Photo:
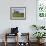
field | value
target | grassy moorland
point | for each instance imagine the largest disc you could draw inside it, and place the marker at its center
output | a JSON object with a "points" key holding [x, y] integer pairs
{"points": [[18, 14]]}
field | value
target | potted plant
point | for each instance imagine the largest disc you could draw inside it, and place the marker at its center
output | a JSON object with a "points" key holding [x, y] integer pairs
{"points": [[38, 27], [39, 35], [42, 27], [35, 27]]}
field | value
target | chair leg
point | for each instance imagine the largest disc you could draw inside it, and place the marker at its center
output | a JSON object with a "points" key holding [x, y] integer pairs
{"points": [[5, 43], [5, 39]]}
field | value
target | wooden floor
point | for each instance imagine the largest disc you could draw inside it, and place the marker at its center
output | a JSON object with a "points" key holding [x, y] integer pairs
{"points": [[13, 44]]}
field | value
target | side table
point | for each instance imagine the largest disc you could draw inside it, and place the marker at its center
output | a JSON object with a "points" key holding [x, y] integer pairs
{"points": [[8, 34]]}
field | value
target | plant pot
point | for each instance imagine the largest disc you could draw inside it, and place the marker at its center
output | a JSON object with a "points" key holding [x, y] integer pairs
{"points": [[38, 40]]}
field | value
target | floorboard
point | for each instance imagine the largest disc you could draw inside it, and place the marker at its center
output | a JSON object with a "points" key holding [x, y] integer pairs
{"points": [[13, 44]]}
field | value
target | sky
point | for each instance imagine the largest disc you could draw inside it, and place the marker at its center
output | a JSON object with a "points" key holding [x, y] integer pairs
{"points": [[21, 10]]}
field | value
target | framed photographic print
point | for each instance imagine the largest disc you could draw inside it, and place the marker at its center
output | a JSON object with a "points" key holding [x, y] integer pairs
{"points": [[18, 13], [41, 8], [41, 12]]}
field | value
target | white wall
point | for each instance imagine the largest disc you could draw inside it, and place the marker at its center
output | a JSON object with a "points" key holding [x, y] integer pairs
{"points": [[24, 25]]}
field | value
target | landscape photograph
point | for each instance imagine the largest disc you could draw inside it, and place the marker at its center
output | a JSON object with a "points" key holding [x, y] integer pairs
{"points": [[18, 13]]}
